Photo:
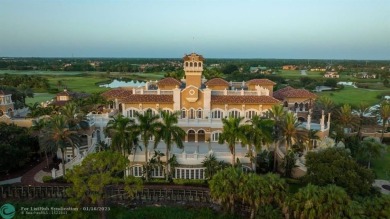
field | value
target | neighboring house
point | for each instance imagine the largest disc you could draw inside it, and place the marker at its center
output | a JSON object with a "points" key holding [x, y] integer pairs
{"points": [[6, 104], [364, 75], [331, 74], [258, 69], [290, 67], [65, 96], [318, 69]]}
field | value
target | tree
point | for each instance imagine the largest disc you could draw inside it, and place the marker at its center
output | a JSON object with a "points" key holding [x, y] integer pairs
{"points": [[288, 163], [229, 69], [170, 133], [39, 127], [345, 117], [362, 109], [320, 202], [59, 136], [277, 113], [148, 126], [212, 73], [312, 136], [261, 191], [290, 131], [232, 131], [212, 165], [370, 148], [376, 207], [335, 166], [258, 133], [97, 172], [224, 187], [123, 134], [384, 113]]}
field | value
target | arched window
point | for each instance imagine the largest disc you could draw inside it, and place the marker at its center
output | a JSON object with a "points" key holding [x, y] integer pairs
{"points": [[201, 136], [234, 114], [295, 105], [186, 64], [152, 112], [200, 64], [285, 104], [217, 114], [191, 114], [199, 113], [131, 113], [136, 171], [183, 113], [215, 136], [300, 106], [169, 112], [191, 136], [195, 64], [250, 114], [190, 64]]}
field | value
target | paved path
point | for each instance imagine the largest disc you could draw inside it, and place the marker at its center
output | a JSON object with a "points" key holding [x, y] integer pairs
{"points": [[11, 181]]}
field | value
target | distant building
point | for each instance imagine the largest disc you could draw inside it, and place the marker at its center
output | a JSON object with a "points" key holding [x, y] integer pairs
{"points": [[364, 75], [331, 74], [258, 69], [6, 104], [65, 96], [290, 67], [318, 69]]}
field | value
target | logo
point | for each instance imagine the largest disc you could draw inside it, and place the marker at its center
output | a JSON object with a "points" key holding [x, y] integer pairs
{"points": [[7, 211]]}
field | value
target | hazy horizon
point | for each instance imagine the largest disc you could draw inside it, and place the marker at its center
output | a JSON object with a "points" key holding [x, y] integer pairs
{"points": [[282, 29]]}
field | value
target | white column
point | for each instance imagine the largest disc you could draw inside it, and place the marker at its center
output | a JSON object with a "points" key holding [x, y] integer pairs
{"points": [[176, 99], [322, 123]]}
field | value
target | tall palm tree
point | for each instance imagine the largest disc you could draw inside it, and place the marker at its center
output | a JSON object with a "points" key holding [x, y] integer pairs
{"points": [[170, 133], [362, 109], [232, 131], [384, 113], [291, 132], [39, 127], [370, 148], [277, 113], [59, 135], [72, 114], [121, 131], [345, 117], [148, 126], [258, 133]]}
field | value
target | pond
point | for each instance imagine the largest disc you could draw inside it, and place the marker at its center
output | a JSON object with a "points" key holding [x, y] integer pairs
{"points": [[118, 83]]}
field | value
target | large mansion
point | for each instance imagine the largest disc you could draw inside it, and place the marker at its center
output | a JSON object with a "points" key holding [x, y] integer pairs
{"points": [[202, 104]]}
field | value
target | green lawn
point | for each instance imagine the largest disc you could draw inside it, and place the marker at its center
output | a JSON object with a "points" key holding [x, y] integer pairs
{"points": [[354, 96], [85, 83], [381, 166], [39, 97]]}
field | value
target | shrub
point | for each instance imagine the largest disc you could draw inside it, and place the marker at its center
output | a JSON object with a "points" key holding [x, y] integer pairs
{"points": [[47, 179]]}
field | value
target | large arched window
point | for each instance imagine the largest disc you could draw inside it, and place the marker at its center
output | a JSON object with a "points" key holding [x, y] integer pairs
{"points": [[249, 114], [191, 114], [151, 111], [183, 113], [217, 114], [131, 113], [215, 136], [201, 136], [199, 113], [191, 136], [234, 114]]}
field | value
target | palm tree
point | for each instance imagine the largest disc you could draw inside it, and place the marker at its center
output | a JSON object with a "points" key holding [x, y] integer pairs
{"points": [[291, 132], [39, 126], [170, 133], [345, 117], [276, 113], [258, 133], [72, 114], [232, 131], [121, 131], [320, 202], [148, 126], [370, 148], [362, 109], [59, 135], [384, 113]]}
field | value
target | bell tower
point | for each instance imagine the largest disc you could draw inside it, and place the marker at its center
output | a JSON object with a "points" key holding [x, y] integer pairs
{"points": [[193, 68]]}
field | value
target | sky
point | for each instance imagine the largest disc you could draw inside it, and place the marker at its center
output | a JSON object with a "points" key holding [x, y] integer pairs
{"points": [[287, 29]]}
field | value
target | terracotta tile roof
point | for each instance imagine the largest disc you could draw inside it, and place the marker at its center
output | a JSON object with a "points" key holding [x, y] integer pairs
{"points": [[63, 93], [4, 92], [217, 81], [76, 95], [116, 93], [292, 92], [193, 55], [169, 81], [260, 81], [243, 99], [148, 98]]}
